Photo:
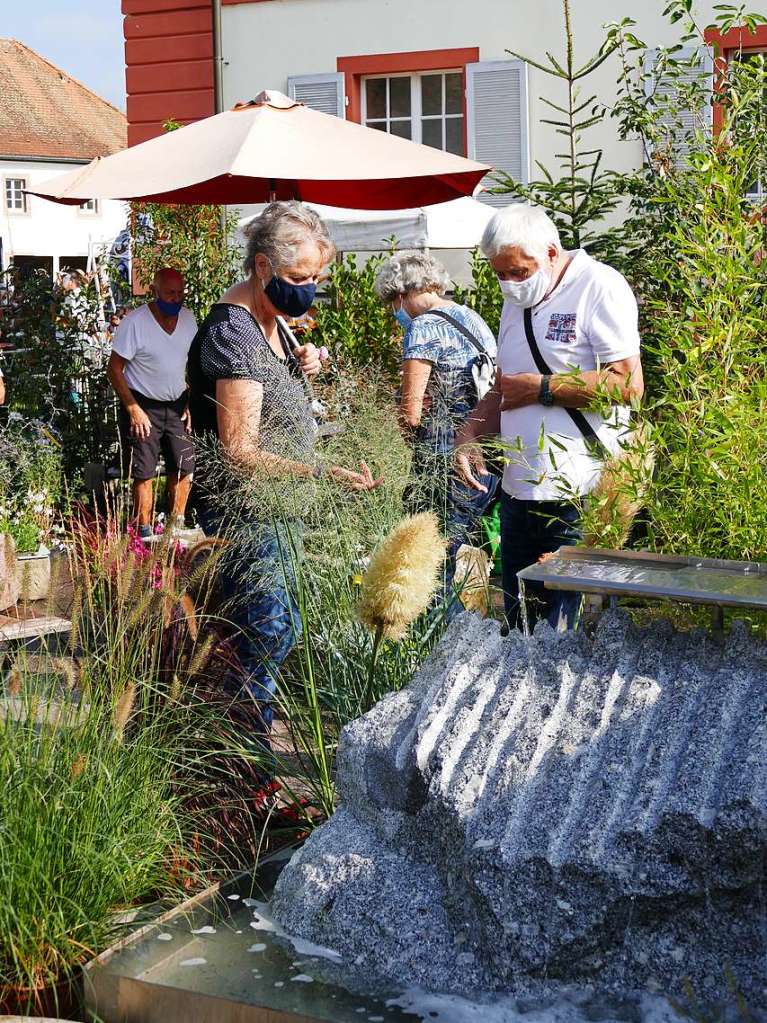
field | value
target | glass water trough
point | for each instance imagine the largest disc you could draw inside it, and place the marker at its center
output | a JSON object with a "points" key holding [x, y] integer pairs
{"points": [[711, 581], [218, 958]]}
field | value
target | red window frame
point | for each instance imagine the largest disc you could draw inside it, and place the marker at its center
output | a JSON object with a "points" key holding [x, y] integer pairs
{"points": [[725, 44], [354, 69]]}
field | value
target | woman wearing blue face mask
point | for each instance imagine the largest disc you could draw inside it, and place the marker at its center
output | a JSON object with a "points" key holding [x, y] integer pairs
{"points": [[250, 402], [448, 361]]}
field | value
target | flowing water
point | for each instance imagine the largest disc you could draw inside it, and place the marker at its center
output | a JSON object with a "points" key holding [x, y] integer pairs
{"points": [[230, 948]]}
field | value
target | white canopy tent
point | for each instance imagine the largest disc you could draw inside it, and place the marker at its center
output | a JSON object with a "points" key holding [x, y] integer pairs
{"points": [[457, 224]]}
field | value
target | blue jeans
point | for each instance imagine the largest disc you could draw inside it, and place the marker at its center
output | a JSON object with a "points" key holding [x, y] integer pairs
{"points": [[528, 530], [436, 487], [259, 586]]}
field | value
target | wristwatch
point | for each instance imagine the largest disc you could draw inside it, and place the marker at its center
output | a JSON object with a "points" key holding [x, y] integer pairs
{"points": [[545, 397]]}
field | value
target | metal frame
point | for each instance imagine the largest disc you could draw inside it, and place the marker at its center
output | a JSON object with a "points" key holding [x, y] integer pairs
{"points": [[541, 572]]}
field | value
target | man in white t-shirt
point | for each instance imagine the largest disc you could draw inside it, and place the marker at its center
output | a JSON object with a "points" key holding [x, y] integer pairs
{"points": [[147, 368], [569, 330]]}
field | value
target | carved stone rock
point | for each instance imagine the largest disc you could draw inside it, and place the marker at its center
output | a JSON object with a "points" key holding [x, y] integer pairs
{"points": [[552, 809]]}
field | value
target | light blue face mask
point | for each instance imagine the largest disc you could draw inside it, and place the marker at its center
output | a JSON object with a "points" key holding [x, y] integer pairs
{"points": [[403, 318]]}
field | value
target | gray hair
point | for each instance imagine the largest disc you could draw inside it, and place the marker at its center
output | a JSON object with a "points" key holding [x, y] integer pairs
{"points": [[523, 227], [410, 271], [279, 230]]}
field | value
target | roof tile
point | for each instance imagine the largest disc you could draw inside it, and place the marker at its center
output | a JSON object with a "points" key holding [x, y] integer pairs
{"points": [[46, 113]]}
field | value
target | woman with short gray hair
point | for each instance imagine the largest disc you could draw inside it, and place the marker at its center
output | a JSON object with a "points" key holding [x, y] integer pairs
{"points": [[248, 394], [448, 361]]}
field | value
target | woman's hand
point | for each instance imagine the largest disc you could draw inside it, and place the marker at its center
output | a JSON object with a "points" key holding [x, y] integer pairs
{"points": [[362, 480], [309, 358], [470, 464]]}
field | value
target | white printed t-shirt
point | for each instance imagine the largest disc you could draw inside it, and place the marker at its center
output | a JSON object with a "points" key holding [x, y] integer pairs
{"points": [[156, 360], [589, 320]]}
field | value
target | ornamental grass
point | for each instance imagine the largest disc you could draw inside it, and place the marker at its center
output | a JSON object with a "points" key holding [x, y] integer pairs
{"points": [[403, 575]]}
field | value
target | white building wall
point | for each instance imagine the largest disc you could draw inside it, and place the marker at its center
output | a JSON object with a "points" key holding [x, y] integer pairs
{"points": [[263, 43], [48, 228]]}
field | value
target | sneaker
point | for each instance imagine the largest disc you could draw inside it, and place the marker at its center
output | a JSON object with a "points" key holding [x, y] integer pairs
{"points": [[177, 524], [145, 532]]}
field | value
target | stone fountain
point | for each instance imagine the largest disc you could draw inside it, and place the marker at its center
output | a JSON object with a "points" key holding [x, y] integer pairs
{"points": [[552, 810]]}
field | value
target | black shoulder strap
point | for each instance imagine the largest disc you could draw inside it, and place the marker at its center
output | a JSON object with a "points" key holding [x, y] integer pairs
{"points": [[575, 414], [459, 327]]}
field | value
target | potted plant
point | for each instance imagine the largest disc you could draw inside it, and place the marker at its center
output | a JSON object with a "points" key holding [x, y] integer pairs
{"points": [[30, 486]]}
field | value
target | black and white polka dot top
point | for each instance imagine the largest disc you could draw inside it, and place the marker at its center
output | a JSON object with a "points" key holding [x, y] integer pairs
{"points": [[229, 345]]}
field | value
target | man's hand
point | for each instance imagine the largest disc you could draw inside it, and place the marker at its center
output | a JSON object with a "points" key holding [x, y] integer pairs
{"points": [[309, 359], [362, 480], [140, 426], [470, 464], [186, 419], [519, 390]]}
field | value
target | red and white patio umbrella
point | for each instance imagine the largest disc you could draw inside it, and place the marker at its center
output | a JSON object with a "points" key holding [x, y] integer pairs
{"points": [[273, 147]]}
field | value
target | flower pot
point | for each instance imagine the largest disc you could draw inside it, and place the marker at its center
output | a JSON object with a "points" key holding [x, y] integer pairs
{"points": [[35, 574], [53, 1002]]}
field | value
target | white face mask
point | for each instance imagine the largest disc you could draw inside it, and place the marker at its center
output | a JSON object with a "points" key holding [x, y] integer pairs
{"points": [[527, 293]]}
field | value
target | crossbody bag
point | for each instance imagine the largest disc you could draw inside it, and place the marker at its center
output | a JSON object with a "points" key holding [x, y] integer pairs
{"points": [[483, 367]]}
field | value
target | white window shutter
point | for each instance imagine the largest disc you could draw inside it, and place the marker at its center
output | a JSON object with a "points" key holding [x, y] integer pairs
{"points": [[497, 121], [684, 122], [320, 92]]}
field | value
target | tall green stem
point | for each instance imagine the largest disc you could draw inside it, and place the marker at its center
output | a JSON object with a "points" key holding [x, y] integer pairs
{"points": [[373, 662], [571, 119]]}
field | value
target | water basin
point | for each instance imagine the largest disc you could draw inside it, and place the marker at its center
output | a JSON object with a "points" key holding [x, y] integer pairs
{"points": [[639, 573], [220, 958]]}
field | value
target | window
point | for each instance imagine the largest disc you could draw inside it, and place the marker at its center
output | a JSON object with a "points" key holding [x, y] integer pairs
{"points": [[425, 107], [15, 197], [757, 189], [91, 206]]}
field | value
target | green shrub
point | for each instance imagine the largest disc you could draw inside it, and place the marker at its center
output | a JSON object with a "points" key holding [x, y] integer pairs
{"points": [[698, 266], [56, 370], [195, 240], [31, 483], [198, 241], [583, 197], [354, 324], [483, 294]]}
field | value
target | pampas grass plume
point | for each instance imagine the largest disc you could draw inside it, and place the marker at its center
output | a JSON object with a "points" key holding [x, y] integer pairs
{"points": [[402, 576], [620, 493], [124, 709]]}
